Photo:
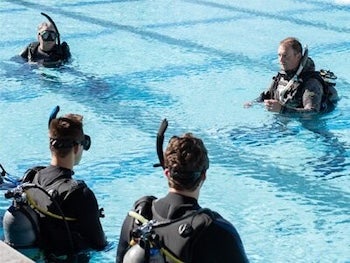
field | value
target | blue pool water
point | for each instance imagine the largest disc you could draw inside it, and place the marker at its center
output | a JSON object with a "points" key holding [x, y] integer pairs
{"points": [[283, 182]]}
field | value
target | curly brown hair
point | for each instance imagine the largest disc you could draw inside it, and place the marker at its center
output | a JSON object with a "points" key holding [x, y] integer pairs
{"points": [[187, 160]]}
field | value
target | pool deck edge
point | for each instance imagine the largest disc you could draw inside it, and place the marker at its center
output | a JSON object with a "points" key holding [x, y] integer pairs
{"points": [[11, 255]]}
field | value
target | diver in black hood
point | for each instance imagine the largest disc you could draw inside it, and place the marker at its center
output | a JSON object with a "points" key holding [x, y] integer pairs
{"points": [[48, 50]]}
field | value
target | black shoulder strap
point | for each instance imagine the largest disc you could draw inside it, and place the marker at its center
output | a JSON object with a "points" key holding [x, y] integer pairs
{"points": [[63, 187], [32, 50], [192, 214], [143, 206], [274, 84], [65, 51], [59, 189], [29, 175], [269, 93]]}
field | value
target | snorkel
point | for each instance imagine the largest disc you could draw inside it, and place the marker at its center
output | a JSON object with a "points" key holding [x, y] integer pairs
{"points": [[303, 61], [54, 25], [53, 114], [160, 140]]}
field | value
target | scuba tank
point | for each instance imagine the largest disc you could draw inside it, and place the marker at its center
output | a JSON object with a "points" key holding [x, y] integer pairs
{"points": [[145, 245], [20, 222], [137, 254]]}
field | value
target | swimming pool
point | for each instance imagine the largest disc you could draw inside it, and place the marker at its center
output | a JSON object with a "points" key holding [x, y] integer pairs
{"points": [[283, 182]]}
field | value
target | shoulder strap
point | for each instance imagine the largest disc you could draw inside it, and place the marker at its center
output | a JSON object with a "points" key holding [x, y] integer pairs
{"points": [[29, 175], [143, 206], [192, 214], [274, 84], [64, 51], [32, 50], [63, 187], [269, 93]]}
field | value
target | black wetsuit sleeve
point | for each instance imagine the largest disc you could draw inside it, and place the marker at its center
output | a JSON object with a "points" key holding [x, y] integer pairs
{"points": [[263, 96], [124, 238], [269, 93], [65, 51], [219, 243], [88, 216], [24, 53]]}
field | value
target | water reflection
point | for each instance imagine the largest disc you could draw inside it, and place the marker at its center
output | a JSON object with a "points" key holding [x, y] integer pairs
{"points": [[322, 151]]}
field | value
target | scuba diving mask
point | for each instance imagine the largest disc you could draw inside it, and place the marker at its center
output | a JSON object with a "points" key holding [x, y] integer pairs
{"points": [[48, 35], [86, 143]]}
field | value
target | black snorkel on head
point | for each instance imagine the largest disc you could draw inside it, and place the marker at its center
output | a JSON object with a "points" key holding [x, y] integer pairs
{"points": [[160, 141], [54, 25], [63, 143], [183, 178]]}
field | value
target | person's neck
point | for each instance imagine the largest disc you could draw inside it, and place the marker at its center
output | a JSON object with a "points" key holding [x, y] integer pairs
{"points": [[193, 194], [66, 162], [45, 48]]}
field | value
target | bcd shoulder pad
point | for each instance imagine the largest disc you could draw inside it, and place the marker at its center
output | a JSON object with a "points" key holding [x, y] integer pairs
{"points": [[62, 188], [30, 174], [143, 206]]}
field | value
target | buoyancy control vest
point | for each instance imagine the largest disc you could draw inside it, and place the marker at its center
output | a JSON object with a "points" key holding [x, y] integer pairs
{"points": [[174, 238], [58, 54], [293, 94], [33, 203]]}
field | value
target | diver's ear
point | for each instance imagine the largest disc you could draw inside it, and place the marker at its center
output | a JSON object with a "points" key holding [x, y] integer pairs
{"points": [[299, 55], [76, 148], [167, 173], [204, 176]]}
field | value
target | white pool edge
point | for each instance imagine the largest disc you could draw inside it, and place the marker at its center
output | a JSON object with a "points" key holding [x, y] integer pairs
{"points": [[10, 255]]}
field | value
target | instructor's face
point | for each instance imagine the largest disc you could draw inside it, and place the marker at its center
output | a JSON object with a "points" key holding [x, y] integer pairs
{"points": [[47, 43], [288, 59]]}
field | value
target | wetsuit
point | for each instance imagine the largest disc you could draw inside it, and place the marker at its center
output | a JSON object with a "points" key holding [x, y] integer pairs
{"points": [[81, 204], [55, 56], [306, 95], [217, 242]]}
